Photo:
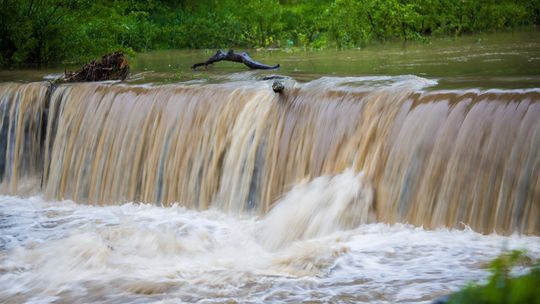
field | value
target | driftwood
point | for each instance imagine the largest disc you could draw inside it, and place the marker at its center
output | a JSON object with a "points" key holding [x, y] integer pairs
{"points": [[112, 66], [235, 57], [272, 77]]}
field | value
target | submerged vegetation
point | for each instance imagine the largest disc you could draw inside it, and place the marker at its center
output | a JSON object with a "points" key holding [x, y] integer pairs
{"points": [[44, 31], [502, 287]]}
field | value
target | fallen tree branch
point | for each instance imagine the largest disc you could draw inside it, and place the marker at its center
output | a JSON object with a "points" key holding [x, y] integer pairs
{"points": [[235, 57]]}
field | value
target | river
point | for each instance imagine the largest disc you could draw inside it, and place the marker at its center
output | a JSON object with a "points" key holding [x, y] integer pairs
{"points": [[390, 174]]}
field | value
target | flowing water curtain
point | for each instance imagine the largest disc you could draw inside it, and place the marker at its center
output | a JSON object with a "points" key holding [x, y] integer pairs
{"points": [[22, 120], [439, 158], [160, 145], [465, 158], [183, 144]]}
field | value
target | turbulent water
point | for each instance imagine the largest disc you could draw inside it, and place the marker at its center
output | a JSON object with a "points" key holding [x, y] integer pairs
{"points": [[65, 252], [230, 192]]}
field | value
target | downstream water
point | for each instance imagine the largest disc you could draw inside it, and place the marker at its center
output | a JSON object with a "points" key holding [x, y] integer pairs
{"points": [[56, 252], [368, 185]]}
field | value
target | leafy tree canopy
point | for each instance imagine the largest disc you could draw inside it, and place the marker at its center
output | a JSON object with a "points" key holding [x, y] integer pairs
{"points": [[43, 31]]}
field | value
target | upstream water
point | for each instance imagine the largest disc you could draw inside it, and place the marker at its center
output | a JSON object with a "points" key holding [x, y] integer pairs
{"points": [[351, 188], [496, 60]]}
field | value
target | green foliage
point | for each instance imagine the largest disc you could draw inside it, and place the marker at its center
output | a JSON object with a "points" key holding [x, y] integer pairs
{"points": [[502, 287], [43, 31]]}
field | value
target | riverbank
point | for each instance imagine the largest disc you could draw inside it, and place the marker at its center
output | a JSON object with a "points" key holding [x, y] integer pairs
{"points": [[47, 32]]}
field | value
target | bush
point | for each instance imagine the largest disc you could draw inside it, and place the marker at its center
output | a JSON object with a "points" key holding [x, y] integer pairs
{"points": [[502, 287]]}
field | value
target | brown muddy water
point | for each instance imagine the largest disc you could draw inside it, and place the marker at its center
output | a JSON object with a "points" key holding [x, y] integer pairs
{"points": [[495, 60]]}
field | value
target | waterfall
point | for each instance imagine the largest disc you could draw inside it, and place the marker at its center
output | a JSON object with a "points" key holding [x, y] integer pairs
{"points": [[433, 158]]}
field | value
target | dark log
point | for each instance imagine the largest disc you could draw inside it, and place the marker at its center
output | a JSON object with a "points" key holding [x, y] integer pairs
{"points": [[235, 57]]}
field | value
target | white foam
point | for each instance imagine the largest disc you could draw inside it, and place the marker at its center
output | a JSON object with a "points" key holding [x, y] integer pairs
{"points": [[61, 251], [326, 205], [372, 83]]}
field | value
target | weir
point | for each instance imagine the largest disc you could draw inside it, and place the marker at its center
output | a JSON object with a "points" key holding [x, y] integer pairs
{"points": [[432, 158]]}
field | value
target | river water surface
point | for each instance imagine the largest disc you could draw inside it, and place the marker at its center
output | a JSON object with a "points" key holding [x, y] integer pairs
{"points": [[496, 60]]}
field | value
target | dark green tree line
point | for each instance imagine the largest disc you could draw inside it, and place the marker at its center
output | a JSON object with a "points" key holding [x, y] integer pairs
{"points": [[43, 31]]}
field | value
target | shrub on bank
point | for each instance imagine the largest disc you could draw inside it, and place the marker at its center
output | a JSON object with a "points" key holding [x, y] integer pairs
{"points": [[502, 287]]}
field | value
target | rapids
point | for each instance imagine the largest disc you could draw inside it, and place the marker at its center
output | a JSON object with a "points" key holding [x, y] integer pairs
{"points": [[60, 251]]}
